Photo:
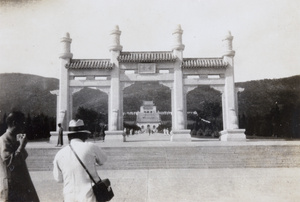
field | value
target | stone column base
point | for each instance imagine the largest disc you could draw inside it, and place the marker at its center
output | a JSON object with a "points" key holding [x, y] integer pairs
{"points": [[233, 135], [54, 137], [114, 135], [181, 136]]}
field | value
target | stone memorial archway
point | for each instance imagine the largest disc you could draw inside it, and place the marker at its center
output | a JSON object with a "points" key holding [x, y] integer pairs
{"points": [[170, 68]]}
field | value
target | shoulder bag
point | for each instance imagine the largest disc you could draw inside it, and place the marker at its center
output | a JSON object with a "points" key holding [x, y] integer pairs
{"points": [[102, 189]]}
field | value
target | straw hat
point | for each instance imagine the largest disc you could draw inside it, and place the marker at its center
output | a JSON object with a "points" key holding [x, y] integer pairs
{"points": [[77, 127]]}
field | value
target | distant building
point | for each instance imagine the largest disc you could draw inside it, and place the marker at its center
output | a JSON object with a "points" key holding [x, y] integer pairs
{"points": [[148, 117]]}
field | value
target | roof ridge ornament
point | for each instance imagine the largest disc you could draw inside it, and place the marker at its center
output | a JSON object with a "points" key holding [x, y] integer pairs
{"points": [[177, 37], [66, 47], [115, 39], [227, 44]]}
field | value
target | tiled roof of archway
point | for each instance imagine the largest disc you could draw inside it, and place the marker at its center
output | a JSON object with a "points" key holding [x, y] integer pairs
{"points": [[89, 64], [165, 56], [204, 63]]}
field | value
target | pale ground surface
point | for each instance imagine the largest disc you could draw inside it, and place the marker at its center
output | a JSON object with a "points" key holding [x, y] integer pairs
{"points": [[187, 185], [169, 185]]}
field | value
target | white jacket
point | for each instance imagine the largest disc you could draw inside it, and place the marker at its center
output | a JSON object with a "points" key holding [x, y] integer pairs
{"points": [[67, 169]]}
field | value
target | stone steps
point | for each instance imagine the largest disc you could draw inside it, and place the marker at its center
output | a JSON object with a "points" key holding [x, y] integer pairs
{"points": [[171, 157]]}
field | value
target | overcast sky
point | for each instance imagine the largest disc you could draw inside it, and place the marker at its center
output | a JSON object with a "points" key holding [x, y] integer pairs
{"points": [[266, 32]]}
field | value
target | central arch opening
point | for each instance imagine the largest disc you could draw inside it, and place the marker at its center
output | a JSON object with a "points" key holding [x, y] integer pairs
{"points": [[204, 112], [147, 111]]}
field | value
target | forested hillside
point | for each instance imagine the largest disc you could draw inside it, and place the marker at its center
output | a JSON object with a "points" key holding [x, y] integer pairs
{"points": [[260, 96], [28, 93], [263, 101]]}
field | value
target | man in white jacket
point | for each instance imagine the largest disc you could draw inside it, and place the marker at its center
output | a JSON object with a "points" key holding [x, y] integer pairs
{"points": [[67, 169]]}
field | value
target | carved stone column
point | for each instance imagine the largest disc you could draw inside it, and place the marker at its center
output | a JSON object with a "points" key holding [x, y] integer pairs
{"points": [[229, 89], [115, 116], [178, 101], [115, 91], [178, 117], [231, 130], [65, 56]]}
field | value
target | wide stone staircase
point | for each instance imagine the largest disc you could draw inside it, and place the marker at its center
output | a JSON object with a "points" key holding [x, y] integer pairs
{"points": [[183, 157]]}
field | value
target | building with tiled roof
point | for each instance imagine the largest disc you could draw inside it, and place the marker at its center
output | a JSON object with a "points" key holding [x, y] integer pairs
{"points": [[148, 118]]}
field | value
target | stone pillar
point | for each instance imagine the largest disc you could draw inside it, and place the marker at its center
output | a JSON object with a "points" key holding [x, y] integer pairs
{"points": [[231, 131], [229, 90], [63, 108], [178, 108], [115, 116], [63, 103]]}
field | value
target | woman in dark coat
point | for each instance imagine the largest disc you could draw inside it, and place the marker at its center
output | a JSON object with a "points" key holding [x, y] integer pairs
{"points": [[15, 181]]}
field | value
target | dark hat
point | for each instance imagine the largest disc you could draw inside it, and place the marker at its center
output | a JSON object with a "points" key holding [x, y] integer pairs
{"points": [[77, 127]]}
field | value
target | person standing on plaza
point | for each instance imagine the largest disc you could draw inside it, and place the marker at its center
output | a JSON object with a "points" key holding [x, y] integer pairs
{"points": [[67, 168], [60, 141], [15, 180], [102, 131], [149, 129]]}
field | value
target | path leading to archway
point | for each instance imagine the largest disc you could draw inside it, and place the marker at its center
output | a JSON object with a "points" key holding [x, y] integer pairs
{"points": [[154, 137], [140, 137]]}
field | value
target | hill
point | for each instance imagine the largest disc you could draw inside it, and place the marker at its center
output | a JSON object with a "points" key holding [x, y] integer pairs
{"points": [[31, 94], [260, 96], [28, 93]]}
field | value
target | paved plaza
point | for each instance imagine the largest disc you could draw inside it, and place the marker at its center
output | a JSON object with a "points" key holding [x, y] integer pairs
{"points": [[186, 185], [190, 185]]}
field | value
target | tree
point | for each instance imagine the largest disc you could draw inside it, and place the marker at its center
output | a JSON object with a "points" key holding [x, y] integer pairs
{"points": [[242, 121], [91, 118], [209, 119], [275, 120], [28, 127]]}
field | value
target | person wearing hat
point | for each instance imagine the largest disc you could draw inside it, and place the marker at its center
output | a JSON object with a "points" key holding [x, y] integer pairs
{"points": [[67, 169]]}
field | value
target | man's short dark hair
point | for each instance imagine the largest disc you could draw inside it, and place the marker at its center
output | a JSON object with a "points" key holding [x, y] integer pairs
{"points": [[15, 116], [79, 135]]}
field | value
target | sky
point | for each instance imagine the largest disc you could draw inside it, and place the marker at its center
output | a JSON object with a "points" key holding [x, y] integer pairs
{"points": [[266, 32]]}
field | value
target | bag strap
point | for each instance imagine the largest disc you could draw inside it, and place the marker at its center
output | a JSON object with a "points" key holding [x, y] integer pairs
{"points": [[83, 164]]}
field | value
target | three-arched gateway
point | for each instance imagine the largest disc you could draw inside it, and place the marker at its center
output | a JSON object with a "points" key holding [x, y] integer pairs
{"points": [[180, 74]]}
